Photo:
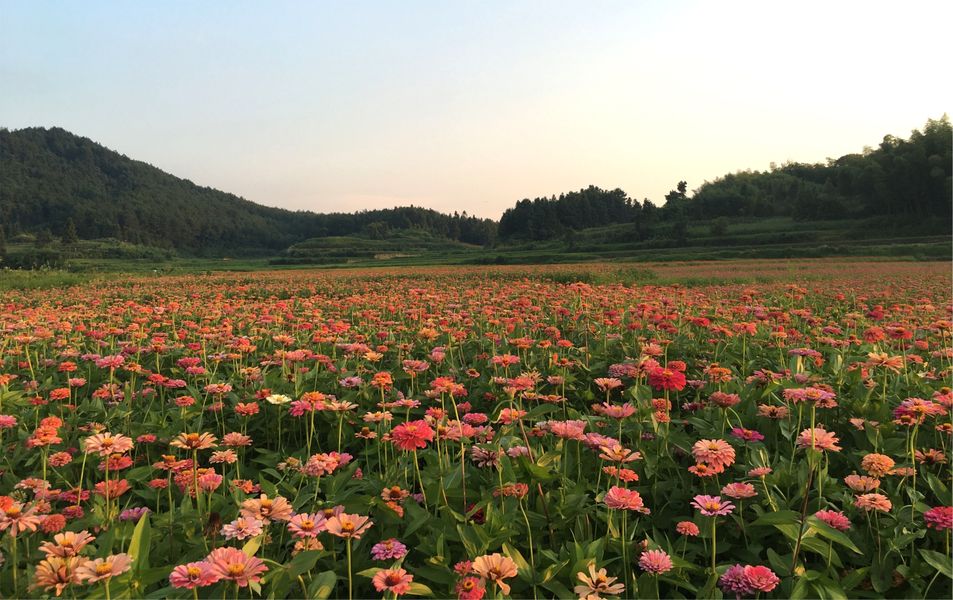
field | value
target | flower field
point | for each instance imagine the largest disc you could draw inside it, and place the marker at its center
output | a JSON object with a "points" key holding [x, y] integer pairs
{"points": [[472, 433]]}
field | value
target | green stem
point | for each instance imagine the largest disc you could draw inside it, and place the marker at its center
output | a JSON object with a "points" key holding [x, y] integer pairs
{"points": [[350, 583]]}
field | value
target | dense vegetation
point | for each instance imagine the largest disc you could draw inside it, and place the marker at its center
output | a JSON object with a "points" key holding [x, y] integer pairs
{"points": [[53, 182], [58, 190], [905, 180]]}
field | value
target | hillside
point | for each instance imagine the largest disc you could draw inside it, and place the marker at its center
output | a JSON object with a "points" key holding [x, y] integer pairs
{"points": [[49, 177], [901, 181]]}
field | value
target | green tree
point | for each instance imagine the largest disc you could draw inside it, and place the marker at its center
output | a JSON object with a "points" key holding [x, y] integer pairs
{"points": [[43, 238], [69, 233]]}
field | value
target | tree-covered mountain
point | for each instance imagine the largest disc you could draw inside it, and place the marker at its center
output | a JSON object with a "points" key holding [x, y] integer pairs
{"points": [[900, 180], [53, 182]]}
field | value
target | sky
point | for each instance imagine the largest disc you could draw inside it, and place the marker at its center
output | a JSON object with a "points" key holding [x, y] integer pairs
{"points": [[471, 106]]}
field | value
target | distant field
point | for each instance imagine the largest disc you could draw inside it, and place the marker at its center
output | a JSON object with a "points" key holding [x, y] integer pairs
{"points": [[685, 273]]}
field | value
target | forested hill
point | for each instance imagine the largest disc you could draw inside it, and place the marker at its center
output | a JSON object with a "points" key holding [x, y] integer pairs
{"points": [[52, 180], [904, 181]]}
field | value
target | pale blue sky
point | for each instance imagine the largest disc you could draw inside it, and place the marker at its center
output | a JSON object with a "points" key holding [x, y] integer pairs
{"points": [[471, 105]]}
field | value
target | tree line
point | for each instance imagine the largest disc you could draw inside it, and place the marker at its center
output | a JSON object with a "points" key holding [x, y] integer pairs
{"points": [[902, 179]]}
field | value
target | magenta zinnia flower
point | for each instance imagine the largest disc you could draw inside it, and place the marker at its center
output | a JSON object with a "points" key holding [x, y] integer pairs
{"points": [[712, 506], [390, 549], [939, 518]]}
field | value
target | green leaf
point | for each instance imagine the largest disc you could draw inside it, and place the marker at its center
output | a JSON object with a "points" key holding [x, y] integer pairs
{"points": [[801, 589], [139, 545], [419, 589], [323, 585], [417, 517], [854, 578], [781, 517], [522, 567], [303, 562], [821, 548], [938, 561], [252, 545], [370, 572], [826, 531], [537, 472]]}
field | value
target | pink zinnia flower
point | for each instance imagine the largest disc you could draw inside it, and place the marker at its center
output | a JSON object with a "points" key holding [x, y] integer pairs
{"points": [[939, 518], [192, 575], [761, 579], [348, 526], [304, 525], [712, 506], [871, 502], [396, 581], [655, 562], [412, 435], [818, 439], [716, 453], [687, 528], [242, 528], [104, 568], [232, 564], [834, 518], [620, 498], [739, 491]]}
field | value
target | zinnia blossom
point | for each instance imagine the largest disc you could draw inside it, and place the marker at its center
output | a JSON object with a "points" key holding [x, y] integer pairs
{"points": [[687, 528], [104, 568], [877, 465], [267, 509], [495, 567], [231, 564], [412, 435], [105, 444], [390, 549], [712, 506], [939, 518], [242, 528], [18, 519], [834, 518], [348, 526], [193, 575], [717, 453], [597, 583], [304, 525], [620, 498], [760, 578], [818, 439], [655, 562], [194, 441], [396, 581], [871, 502], [667, 379], [55, 572], [66, 544], [739, 491]]}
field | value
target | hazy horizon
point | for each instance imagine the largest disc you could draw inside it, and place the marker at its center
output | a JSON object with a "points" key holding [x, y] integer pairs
{"points": [[341, 107]]}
